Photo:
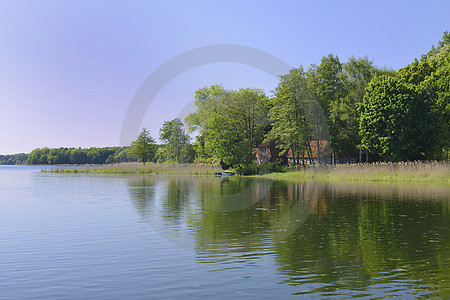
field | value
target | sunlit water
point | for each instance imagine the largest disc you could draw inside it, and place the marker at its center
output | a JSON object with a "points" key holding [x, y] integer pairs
{"points": [[126, 237]]}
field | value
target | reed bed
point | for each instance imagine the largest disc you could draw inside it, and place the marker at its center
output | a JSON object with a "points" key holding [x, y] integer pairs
{"points": [[402, 171], [139, 168], [387, 172]]}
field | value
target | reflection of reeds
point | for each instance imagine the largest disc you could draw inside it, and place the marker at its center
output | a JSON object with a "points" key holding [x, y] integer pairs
{"points": [[194, 169], [408, 191], [156, 168], [403, 171]]}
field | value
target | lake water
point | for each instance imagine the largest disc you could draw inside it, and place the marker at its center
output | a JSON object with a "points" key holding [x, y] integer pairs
{"points": [[139, 237]]}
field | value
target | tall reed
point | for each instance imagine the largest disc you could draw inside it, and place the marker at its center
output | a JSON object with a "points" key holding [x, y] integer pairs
{"points": [[402, 171]]}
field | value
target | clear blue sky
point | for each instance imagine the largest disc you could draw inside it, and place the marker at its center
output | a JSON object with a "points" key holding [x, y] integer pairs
{"points": [[69, 69]]}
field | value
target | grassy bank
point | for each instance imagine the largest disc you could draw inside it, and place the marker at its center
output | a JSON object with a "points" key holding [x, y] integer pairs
{"points": [[139, 168], [388, 172]]}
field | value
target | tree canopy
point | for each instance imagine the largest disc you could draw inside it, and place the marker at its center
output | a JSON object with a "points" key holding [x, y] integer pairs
{"points": [[230, 123], [143, 148], [176, 142], [288, 114], [78, 156], [395, 119]]}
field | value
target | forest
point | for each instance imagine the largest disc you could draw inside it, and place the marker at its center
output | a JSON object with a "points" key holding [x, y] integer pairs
{"points": [[78, 156], [13, 159], [396, 115], [175, 148]]}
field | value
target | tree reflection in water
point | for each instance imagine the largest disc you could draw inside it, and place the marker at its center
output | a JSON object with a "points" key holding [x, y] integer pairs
{"points": [[325, 238]]}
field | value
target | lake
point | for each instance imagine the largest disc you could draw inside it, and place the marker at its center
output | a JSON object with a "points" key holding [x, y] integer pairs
{"points": [[139, 237]]}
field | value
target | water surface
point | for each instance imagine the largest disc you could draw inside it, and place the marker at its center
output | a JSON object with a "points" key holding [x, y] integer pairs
{"points": [[140, 237]]}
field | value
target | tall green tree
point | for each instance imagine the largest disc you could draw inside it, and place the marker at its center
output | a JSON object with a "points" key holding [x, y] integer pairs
{"points": [[177, 147], [290, 126], [209, 101], [432, 76], [356, 75], [230, 123], [317, 108], [143, 148], [331, 86], [437, 86], [236, 130], [395, 119], [327, 85]]}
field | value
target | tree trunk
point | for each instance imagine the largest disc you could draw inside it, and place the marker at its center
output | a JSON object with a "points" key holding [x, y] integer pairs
{"points": [[360, 155], [310, 152], [318, 150], [303, 159]]}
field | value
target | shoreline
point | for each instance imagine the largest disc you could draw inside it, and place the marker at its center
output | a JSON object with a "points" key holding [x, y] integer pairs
{"points": [[420, 172], [138, 168], [386, 178], [412, 172]]}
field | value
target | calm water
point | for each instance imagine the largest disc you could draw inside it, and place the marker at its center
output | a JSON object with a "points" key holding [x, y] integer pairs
{"points": [[99, 236]]}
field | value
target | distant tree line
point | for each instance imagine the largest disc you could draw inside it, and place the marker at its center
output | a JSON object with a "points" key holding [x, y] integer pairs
{"points": [[176, 148], [13, 159], [58, 156]]}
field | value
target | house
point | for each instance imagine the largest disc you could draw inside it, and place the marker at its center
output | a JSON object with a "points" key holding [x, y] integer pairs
{"points": [[269, 152]]}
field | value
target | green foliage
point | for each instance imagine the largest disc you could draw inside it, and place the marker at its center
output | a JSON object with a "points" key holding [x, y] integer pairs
{"points": [[209, 101], [161, 154], [13, 159], [395, 119], [331, 86], [290, 126], [408, 117], [187, 154], [354, 77], [209, 160], [143, 148], [177, 147], [78, 156], [98, 155], [247, 169], [416, 72], [437, 87], [121, 155], [327, 86], [224, 142], [272, 167], [431, 75], [445, 39], [230, 123]]}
